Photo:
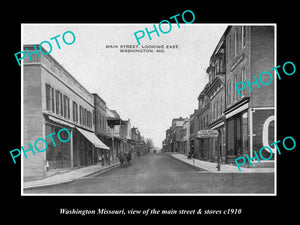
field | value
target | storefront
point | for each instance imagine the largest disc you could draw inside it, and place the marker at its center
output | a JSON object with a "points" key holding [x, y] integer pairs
{"points": [[263, 131], [218, 143], [237, 136], [248, 130], [205, 140], [82, 150], [88, 147], [58, 155]]}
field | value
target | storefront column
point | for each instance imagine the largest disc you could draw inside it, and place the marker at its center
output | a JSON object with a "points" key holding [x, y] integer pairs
{"points": [[93, 154], [251, 132], [71, 149]]}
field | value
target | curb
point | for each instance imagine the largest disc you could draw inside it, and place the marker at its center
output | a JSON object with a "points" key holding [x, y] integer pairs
{"points": [[48, 185], [191, 165], [71, 180], [102, 171], [215, 171]]}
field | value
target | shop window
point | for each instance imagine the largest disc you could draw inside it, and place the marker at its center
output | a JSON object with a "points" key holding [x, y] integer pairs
{"points": [[50, 153], [245, 144], [230, 137], [238, 135], [58, 156]]}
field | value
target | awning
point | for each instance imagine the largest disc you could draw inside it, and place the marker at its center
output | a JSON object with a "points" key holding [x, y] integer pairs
{"points": [[93, 139]]}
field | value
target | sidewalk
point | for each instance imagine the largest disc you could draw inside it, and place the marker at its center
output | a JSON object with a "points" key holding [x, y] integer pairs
{"points": [[225, 168], [68, 176]]}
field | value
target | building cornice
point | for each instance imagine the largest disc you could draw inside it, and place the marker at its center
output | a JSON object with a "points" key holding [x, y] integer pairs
{"points": [[56, 63], [237, 105]]}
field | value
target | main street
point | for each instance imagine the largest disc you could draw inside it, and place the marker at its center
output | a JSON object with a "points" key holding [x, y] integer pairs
{"points": [[162, 174]]}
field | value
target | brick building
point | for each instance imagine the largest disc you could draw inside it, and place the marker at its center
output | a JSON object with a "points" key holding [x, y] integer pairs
{"points": [[245, 122], [115, 133], [53, 99], [216, 95], [136, 141], [193, 131], [249, 117], [100, 123], [185, 135], [202, 145], [177, 124], [167, 141]]}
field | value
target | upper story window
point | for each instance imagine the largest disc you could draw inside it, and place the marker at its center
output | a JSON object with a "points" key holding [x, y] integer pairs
{"points": [[89, 119], [218, 66], [66, 107], [75, 111], [85, 117], [61, 104], [243, 36], [50, 98], [229, 92], [235, 42], [99, 120], [200, 103], [235, 94], [221, 105], [212, 112], [243, 77], [229, 47], [218, 109], [57, 101], [80, 114]]}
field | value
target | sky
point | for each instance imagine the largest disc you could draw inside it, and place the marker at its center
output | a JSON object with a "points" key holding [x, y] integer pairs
{"points": [[150, 89]]}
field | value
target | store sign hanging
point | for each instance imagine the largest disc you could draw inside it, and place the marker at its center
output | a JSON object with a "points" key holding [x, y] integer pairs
{"points": [[207, 133]]}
